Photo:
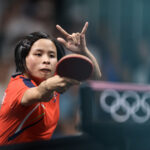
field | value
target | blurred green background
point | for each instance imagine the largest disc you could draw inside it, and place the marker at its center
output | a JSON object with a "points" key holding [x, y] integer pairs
{"points": [[118, 32]]}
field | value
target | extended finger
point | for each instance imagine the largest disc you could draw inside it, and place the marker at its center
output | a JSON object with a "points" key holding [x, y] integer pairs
{"points": [[82, 40], [84, 28], [65, 33], [72, 81]]}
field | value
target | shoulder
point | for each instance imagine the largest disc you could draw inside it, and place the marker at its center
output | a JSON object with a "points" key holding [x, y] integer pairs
{"points": [[19, 80], [16, 88]]}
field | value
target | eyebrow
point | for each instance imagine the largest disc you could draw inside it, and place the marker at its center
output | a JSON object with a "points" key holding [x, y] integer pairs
{"points": [[40, 50]]}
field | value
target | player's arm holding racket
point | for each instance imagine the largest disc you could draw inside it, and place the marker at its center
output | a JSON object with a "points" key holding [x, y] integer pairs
{"points": [[76, 43], [44, 91]]}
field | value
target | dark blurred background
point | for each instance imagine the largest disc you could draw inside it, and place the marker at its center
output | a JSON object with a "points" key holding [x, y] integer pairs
{"points": [[118, 36]]}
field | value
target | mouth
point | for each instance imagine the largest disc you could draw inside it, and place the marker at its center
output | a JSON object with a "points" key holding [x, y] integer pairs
{"points": [[45, 70]]}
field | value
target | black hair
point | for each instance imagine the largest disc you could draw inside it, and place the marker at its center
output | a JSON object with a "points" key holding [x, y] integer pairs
{"points": [[24, 45]]}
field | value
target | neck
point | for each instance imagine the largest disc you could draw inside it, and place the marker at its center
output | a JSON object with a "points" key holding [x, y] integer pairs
{"points": [[36, 80]]}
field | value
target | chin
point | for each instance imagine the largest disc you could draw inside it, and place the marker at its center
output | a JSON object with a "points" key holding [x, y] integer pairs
{"points": [[47, 76], [41, 78]]}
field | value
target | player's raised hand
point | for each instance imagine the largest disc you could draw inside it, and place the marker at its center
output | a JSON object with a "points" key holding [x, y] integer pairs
{"points": [[74, 42]]}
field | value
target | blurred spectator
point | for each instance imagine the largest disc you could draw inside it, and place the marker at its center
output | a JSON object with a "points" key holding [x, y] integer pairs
{"points": [[69, 112], [141, 74], [25, 17], [6, 69], [110, 51], [112, 66]]}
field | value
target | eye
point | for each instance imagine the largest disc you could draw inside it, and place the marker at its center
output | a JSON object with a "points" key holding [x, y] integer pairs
{"points": [[52, 55], [38, 54]]}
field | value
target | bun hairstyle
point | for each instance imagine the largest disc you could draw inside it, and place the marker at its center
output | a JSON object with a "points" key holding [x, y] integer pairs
{"points": [[23, 47]]}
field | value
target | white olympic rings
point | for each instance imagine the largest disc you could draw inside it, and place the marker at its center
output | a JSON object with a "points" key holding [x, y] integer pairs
{"points": [[120, 101]]}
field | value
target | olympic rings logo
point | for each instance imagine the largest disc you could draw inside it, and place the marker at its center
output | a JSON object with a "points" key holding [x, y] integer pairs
{"points": [[120, 101]]}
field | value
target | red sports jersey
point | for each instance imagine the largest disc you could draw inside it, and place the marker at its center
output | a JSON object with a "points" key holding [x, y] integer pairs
{"points": [[20, 123]]}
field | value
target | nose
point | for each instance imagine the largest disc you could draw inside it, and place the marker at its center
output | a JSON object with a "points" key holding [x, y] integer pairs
{"points": [[46, 60]]}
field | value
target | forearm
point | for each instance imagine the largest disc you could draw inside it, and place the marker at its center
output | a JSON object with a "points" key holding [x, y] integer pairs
{"points": [[44, 92], [37, 94], [96, 70]]}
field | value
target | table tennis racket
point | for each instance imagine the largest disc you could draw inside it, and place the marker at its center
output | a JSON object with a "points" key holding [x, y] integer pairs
{"points": [[75, 66]]}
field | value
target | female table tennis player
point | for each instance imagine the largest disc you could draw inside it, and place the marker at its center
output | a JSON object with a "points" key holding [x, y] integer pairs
{"points": [[30, 108]]}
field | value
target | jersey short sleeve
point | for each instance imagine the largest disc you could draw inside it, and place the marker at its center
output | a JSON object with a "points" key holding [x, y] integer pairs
{"points": [[15, 91]]}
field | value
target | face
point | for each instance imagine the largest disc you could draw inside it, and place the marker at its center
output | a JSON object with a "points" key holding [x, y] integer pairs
{"points": [[41, 60]]}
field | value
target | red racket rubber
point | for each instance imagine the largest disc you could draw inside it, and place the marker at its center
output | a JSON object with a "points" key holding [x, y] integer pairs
{"points": [[75, 66]]}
